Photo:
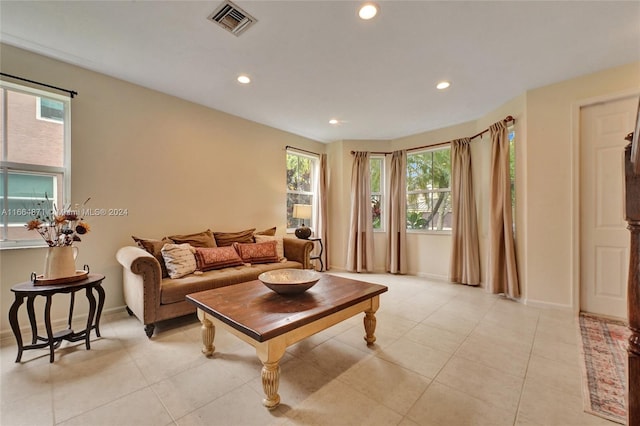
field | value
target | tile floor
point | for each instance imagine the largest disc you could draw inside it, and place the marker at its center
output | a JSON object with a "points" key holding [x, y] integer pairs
{"points": [[446, 355]]}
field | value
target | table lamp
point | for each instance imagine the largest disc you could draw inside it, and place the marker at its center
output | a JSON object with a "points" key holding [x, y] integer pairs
{"points": [[302, 211]]}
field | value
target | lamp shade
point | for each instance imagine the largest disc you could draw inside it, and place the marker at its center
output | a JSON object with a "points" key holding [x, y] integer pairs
{"points": [[302, 211]]}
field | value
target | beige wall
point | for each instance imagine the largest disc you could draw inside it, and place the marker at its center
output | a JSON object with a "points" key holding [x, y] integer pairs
{"points": [[551, 199], [176, 167]]}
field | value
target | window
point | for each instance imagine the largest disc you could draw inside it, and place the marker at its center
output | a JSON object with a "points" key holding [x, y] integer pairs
{"points": [[50, 109], [34, 159], [301, 186], [429, 190], [376, 166]]}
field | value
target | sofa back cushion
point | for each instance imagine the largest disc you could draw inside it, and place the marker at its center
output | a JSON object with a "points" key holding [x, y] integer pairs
{"points": [[154, 247], [216, 258], [199, 239], [225, 239], [265, 252]]}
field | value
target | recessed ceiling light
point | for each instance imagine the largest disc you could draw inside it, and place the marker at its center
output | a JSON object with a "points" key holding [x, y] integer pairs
{"points": [[333, 121], [368, 11], [443, 85], [243, 79]]}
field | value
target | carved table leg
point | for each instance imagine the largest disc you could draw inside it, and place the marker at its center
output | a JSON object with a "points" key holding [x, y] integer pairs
{"points": [[270, 354], [270, 384], [47, 323], [15, 326], [208, 334], [92, 311], [370, 321], [101, 297], [32, 320]]}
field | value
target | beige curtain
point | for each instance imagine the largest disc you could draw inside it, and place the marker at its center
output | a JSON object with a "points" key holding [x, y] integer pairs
{"points": [[360, 248], [397, 214], [465, 251], [322, 209], [503, 272]]}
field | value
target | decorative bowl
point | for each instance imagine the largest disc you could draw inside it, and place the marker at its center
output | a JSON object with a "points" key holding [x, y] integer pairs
{"points": [[290, 281]]}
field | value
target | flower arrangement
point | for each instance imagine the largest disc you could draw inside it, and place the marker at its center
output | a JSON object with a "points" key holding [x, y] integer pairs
{"points": [[58, 227]]}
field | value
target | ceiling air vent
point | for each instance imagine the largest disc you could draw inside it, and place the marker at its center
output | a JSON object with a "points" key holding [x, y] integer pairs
{"points": [[232, 18]]}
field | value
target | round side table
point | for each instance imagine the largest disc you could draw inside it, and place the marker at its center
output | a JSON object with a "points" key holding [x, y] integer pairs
{"points": [[53, 340]]}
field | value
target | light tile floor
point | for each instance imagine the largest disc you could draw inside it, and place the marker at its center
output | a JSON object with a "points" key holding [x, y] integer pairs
{"points": [[446, 354]]}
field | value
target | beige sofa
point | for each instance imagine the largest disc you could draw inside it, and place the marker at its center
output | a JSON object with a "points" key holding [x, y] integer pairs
{"points": [[152, 298]]}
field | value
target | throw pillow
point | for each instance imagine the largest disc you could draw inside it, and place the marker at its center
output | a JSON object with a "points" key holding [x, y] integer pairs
{"points": [[179, 259], [270, 232], [154, 247], [217, 258], [224, 239], [279, 244], [199, 239], [257, 252]]}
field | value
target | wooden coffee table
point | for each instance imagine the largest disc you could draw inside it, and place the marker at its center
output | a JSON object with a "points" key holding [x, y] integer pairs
{"points": [[271, 322]]}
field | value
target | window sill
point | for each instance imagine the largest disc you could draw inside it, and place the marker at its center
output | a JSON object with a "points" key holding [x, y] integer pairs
{"points": [[18, 246], [427, 232]]}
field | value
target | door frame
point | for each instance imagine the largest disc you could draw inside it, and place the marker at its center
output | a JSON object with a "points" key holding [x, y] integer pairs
{"points": [[576, 139]]}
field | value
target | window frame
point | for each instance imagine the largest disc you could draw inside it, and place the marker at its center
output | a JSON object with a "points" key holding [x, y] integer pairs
{"points": [[428, 191], [315, 165], [381, 193], [7, 167]]}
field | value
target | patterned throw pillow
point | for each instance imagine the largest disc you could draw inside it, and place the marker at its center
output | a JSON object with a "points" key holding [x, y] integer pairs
{"points": [[200, 239], [279, 244], [154, 247], [217, 258], [179, 259], [257, 252], [224, 239]]}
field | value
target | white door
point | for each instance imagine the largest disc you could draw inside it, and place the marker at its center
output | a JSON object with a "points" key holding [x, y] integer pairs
{"points": [[604, 238]]}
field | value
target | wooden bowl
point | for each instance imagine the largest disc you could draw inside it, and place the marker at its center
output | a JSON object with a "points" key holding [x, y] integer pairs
{"points": [[290, 281]]}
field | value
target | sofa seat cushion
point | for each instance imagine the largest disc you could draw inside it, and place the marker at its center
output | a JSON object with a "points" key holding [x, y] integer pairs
{"points": [[175, 290]]}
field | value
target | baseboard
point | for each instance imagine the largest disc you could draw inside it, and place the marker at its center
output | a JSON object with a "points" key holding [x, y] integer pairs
{"points": [[56, 324], [435, 277], [547, 305]]}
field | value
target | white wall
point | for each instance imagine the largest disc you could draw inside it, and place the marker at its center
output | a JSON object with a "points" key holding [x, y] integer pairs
{"points": [[177, 167]]}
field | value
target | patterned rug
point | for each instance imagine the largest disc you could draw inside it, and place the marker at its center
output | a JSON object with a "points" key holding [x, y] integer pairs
{"points": [[604, 350]]}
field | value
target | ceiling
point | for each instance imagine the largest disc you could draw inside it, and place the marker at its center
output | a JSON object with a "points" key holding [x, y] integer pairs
{"points": [[311, 61]]}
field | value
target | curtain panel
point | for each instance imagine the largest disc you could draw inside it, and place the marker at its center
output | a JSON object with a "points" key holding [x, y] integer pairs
{"points": [[465, 247], [322, 209], [360, 245], [397, 214], [503, 271]]}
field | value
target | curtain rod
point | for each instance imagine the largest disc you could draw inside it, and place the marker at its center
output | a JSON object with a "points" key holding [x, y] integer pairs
{"points": [[72, 93], [506, 120], [302, 150]]}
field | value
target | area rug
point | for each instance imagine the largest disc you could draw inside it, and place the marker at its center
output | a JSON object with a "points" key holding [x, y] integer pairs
{"points": [[604, 354]]}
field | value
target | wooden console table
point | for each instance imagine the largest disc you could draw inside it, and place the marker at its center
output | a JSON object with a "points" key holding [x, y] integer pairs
{"points": [[53, 340]]}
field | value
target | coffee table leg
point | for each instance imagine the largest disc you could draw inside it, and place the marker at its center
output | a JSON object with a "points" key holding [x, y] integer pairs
{"points": [[370, 321], [270, 354], [208, 334]]}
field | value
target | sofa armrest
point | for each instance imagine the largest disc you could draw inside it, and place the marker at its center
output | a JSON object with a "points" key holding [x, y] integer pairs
{"points": [[141, 280], [298, 250]]}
